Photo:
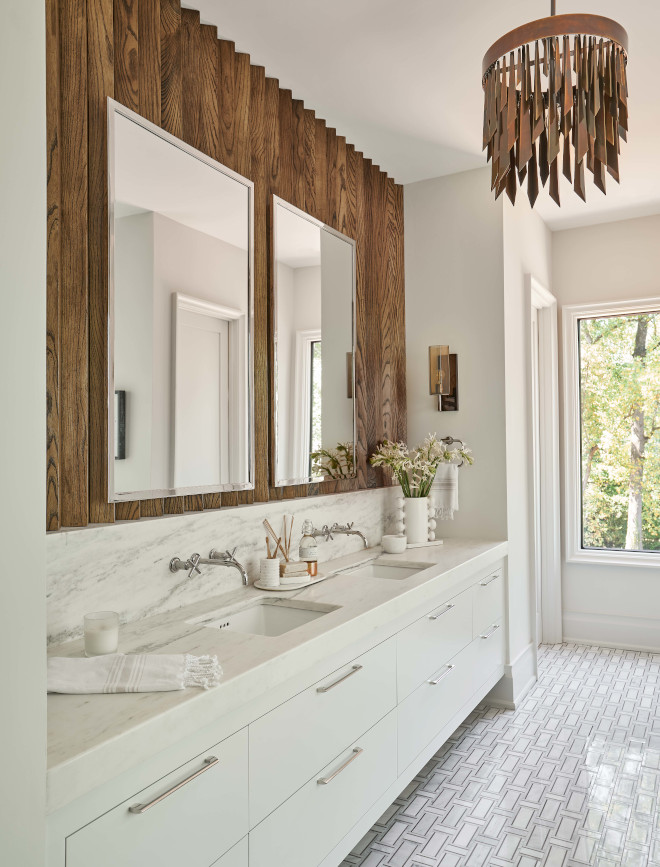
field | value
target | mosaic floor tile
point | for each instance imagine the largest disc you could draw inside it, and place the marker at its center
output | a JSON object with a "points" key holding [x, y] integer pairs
{"points": [[571, 778]]}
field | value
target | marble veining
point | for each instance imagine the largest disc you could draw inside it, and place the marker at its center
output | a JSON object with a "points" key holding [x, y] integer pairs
{"points": [[123, 567], [92, 739]]}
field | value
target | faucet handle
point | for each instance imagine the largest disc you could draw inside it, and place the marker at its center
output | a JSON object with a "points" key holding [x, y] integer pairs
{"points": [[233, 551], [193, 565], [350, 526]]}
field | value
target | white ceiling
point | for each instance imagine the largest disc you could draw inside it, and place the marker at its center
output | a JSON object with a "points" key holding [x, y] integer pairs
{"points": [[402, 82]]}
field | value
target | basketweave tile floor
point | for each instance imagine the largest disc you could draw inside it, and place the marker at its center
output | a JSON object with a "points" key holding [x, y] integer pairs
{"points": [[570, 778]]}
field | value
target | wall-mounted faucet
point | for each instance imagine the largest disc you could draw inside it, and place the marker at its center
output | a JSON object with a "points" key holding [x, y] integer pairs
{"points": [[327, 533], [215, 558]]}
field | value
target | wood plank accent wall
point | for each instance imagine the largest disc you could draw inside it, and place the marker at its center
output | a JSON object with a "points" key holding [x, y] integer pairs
{"points": [[159, 60]]}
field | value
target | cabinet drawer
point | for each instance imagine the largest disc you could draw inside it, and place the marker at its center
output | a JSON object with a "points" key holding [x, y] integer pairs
{"points": [[311, 823], [289, 744], [429, 708], [432, 640], [488, 601], [490, 653], [193, 825], [236, 857]]}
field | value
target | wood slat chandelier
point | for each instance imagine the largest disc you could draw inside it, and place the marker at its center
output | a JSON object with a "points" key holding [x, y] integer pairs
{"points": [[541, 97]]}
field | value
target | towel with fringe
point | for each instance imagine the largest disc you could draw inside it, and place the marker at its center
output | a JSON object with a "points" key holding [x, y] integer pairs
{"points": [[137, 672], [445, 491]]}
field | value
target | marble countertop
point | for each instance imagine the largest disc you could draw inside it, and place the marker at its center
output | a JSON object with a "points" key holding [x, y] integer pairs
{"points": [[92, 738]]}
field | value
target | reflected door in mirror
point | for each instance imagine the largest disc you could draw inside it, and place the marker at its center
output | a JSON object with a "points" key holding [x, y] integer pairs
{"points": [[180, 315], [314, 338]]}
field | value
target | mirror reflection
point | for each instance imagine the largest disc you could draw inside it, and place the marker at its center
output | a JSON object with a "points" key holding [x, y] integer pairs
{"points": [[180, 316], [314, 348]]}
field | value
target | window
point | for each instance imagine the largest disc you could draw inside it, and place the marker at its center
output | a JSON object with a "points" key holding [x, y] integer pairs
{"points": [[613, 438]]}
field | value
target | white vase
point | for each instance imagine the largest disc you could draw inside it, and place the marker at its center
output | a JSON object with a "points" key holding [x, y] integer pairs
{"points": [[416, 516]]}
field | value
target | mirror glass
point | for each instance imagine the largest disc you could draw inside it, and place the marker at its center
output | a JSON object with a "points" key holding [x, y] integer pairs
{"points": [[314, 277], [180, 316]]}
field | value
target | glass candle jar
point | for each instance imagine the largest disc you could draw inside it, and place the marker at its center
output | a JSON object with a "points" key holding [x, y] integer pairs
{"points": [[101, 633]]}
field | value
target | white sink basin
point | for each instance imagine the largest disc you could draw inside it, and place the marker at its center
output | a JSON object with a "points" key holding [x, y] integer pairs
{"points": [[265, 617], [383, 570]]}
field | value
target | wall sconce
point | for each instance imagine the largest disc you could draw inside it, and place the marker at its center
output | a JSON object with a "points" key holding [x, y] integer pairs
{"points": [[443, 377]]}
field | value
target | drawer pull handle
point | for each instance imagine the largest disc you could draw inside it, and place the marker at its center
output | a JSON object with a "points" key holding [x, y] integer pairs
{"points": [[323, 781], [448, 669], [489, 580], [354, 670], [142, 808], [491, 631], [447, 608]]}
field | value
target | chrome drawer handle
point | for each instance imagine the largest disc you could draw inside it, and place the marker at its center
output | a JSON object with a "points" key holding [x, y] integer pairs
{"points": [[142, 808], [323, 781], [436, 680], [354, 670], [448, 607], [489, 580], [491, 631]]}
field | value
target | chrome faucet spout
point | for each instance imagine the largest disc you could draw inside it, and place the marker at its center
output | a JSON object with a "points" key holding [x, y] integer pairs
{"points": [[215, 558]]}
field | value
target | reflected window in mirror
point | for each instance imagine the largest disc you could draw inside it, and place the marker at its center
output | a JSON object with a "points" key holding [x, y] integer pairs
{"points": [[180, 316], [314, 283]]}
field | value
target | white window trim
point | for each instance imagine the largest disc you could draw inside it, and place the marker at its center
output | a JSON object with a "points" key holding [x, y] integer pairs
{"points": [[574, 553], [545, 303]]}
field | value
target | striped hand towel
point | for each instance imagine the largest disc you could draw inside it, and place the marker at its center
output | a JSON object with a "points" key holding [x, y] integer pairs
{"points": [[444, 491], [138, 672]]}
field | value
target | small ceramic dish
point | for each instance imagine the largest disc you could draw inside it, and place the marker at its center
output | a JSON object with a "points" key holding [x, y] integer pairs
{"points": [[394, 544]]}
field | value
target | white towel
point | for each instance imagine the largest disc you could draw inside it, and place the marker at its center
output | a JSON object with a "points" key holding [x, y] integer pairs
{"points": [[445, 491], [138, 672]]}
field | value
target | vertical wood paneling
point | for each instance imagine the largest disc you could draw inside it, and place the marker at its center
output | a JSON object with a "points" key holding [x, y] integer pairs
{"points": [[159, 60], [298, 153], [101, 65], [309, 162], [126, 28], [171, 85], [74, 379], [149, 59], [53, 229], [227, 67]]}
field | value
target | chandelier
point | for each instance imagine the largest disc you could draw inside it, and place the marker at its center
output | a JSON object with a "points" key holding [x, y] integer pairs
{"points": [[555, 91]]}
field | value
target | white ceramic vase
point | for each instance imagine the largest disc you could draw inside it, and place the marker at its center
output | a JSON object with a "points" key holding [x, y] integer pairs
{"points": [[416, 517]]}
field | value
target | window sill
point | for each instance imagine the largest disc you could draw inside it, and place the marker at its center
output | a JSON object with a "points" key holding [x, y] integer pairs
{"points": [[597, 557]]}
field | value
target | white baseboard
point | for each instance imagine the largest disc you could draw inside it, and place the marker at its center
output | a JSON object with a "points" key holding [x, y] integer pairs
{"points": [[519, 677], [627, 633]]}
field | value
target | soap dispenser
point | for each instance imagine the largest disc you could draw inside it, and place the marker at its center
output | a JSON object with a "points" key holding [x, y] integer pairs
{"points": [[308, 550]]}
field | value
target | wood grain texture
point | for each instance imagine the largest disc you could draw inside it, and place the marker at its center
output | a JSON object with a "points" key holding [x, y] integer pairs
{"points": [[158, 59], [74, 324], [102, 61], [53, 229]]}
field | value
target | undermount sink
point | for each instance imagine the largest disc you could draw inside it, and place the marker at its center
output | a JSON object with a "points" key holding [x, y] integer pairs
{"points": [[383, 570], [265, 617]]}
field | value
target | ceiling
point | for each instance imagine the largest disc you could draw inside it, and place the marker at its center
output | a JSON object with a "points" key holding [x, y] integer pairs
{"points": [[402, 82]]}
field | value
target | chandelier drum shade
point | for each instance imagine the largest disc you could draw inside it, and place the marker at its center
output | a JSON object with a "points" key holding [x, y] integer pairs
{"points": [[555, 92]]}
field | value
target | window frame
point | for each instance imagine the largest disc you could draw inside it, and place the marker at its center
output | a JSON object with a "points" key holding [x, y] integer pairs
{"points": [[573, 550]]}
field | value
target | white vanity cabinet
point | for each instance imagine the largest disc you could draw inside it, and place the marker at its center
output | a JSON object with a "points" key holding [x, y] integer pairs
{"points": [[191, 817], [295, 740], [319, 760]]}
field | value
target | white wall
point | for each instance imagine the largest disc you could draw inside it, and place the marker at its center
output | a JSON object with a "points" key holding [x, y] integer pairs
{"points": [[609, 262], [527, 250], [454, 295], [23, 434]]}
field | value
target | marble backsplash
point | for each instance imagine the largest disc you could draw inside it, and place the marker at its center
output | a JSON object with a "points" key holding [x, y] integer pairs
{"points": [[124, 567]]}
